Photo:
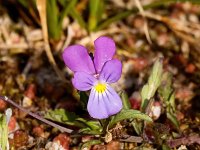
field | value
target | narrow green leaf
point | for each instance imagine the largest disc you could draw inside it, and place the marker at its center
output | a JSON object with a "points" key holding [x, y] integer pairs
{"points": [[77, 16], [68, 6], [93, 125], [168, 96], [83, 99], [173, 119], [172, 101], [4, 120], [64, 2], [165, 90], [128, 114], [3, 132], [96, 11], [137, 126], [54, 28], [149, 89], [125, 100], [24, 3]]}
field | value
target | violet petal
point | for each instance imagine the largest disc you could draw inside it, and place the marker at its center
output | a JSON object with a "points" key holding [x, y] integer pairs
{"points": [[103, 105], [111, 71], [77, 59], [104, 51], [83, 81]]}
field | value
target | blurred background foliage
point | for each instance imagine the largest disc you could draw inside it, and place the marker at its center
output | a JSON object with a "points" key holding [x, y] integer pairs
{"points": [[92, 15]]}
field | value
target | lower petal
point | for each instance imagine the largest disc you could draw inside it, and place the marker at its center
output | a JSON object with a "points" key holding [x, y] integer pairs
{"points": [[102, 105]]}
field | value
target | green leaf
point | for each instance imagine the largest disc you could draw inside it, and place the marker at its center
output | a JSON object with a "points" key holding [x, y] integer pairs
{"points": [[64, 2], [63, 116], [83, 99], [173, 119], [96, 11], [125, 100], [137, 125], [68, 6], [70, 118], [77, 16], [128, 114], [24, 3], [54, 28], [88, 130], [165, 90], [149, 89], [165, 147], [93, 125], [88, 144], [4, 120], [172, 101]]}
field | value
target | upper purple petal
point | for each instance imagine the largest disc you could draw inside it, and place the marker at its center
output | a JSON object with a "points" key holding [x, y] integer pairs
{"points": [[104, 51], [111, 71], [103, 105], [77, 59], [83, 81]]}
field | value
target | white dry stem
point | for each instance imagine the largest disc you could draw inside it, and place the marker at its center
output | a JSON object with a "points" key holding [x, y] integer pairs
{"points": [[141, 10]]}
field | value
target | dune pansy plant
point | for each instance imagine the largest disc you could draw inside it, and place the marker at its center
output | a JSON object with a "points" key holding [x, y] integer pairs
{"points": [[96, 75]]}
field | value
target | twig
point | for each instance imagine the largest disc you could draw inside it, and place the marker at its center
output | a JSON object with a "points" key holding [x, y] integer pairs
{"points": [[184, 141], [128, 138], [176, 27], [62, 129], [14, 46]]}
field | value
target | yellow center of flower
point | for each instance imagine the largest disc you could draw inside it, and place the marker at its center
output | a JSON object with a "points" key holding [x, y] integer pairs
{"points": [[100, 87]]}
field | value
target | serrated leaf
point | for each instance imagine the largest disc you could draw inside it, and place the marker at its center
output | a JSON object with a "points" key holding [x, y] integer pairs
{"points": [[128, 114]]}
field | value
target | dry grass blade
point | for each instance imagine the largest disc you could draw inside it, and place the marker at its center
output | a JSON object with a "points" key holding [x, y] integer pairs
{"points": [[41, 6], [146, 31], [177, 27]]}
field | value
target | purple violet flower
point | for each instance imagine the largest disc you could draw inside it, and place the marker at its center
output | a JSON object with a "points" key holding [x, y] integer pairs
{"points": [[96, 75]]}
